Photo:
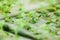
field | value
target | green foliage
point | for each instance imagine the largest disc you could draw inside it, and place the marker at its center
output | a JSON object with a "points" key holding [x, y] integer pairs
{"points": [[44, 23]]}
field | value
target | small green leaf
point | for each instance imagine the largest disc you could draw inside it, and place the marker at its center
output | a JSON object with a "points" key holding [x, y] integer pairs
{"points": [[52, 1], [1, 24]]}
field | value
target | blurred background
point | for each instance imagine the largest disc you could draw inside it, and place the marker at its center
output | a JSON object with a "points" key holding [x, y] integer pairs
{"points": [[29, 19]]}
